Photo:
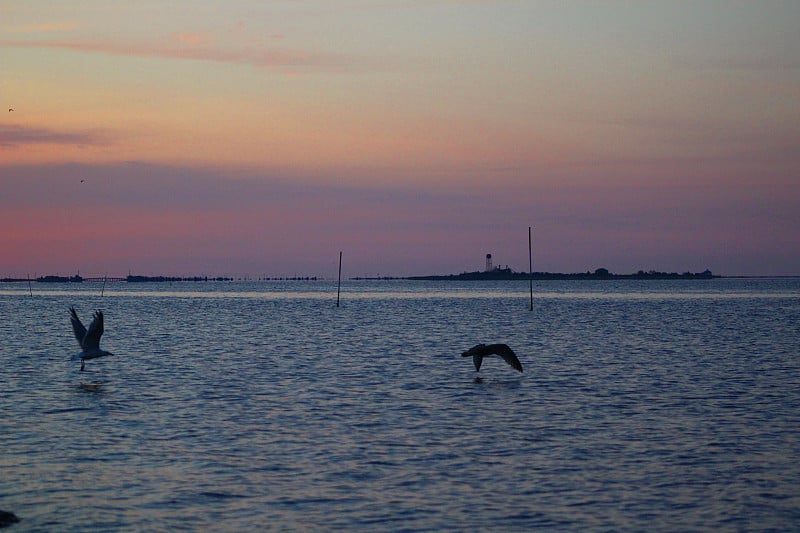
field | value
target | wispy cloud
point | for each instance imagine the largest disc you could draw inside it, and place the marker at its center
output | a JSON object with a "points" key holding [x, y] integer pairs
{"points": [[191, 46], [165, 219], [46, 27], [12, 135], [192, 39], [778, 62]]}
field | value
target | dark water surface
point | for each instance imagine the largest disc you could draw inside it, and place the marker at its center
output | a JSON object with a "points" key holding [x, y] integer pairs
{"points": [[262, 406]]}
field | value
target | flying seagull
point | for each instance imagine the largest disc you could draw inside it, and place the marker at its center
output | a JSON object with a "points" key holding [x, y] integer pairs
{"points": [[479, 351], [10, 109], [89, 340]]}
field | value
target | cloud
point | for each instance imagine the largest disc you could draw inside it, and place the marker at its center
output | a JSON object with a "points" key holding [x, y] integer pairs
{"points": [[151, 188], [47, 27], [752, 62], [12, 135], [196, 47], [162, 219], [192, 39], [191, 216]]}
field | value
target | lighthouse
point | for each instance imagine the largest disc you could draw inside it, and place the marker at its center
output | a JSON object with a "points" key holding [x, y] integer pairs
{"points": [[488, 262]]}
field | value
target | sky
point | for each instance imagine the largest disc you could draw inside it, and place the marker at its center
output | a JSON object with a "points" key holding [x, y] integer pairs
{"points": [[246, 138]]}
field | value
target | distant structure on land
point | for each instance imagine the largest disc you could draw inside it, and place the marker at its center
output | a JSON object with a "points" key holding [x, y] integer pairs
{"points": [[504, 272]]}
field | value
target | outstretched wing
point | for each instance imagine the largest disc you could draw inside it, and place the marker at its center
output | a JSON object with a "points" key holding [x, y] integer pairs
{"points": [[507, 354], [77, 326], [92, 339]]}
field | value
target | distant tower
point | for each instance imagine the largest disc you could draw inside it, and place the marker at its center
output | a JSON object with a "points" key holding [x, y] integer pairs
{"points": [[488, 262]]}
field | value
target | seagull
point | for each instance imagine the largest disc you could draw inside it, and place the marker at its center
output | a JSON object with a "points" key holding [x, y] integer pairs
{"points": [[479, 351], [10, 109], [89, 340]]}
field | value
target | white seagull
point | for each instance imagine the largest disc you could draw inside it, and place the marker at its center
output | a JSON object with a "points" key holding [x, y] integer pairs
{"points": [[89, 340], [479, 351]]}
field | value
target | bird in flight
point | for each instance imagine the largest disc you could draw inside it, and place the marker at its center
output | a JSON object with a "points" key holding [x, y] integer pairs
{"points": [[89, 340], [479, 351], [10, 109]]}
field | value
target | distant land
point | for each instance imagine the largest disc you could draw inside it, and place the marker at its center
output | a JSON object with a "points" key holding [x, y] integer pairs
{"points": [[497, 274], [503, 274], [144, 279], [151, 279]]}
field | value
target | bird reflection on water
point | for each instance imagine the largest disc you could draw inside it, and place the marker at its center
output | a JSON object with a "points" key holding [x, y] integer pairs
{"points": [[92, 386]]}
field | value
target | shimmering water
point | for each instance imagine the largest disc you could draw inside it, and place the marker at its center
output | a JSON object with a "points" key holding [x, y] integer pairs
{"points": [[262, 406]]}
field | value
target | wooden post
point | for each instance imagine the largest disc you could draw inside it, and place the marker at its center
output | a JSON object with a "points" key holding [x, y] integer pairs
{"points": [[30, 289], [339, 286], [530, 263], [104, 285]]}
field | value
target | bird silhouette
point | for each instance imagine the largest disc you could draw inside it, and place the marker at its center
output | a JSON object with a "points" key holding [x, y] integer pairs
{"points": [[10, 109], [479, 351], [89, 340]]}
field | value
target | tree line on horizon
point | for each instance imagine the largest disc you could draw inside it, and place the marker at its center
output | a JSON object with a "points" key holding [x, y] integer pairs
{"points": [[495, 274]]}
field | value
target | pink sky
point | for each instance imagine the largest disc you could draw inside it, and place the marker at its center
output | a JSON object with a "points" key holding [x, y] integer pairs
{"points": [[413, 136]]}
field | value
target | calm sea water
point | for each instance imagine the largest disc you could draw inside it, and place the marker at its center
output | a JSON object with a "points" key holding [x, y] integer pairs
{"points": [[262, 406]]}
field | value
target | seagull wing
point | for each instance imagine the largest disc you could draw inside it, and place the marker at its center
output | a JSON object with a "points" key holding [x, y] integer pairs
{"points": [[507, 354], [92, 339], [77, 326]]}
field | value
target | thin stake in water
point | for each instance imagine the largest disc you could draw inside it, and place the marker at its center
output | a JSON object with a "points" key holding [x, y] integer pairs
{"points": [[530, 265], [104, 285], [339, 286], [30, 289]]}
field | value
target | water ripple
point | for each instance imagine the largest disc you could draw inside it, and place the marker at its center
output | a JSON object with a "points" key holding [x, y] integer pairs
{"points": [[661, 408]]}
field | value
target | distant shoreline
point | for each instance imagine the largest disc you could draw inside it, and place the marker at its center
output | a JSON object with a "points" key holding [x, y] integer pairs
{"points": [[147, 279], [506, 274], [495, 275]]}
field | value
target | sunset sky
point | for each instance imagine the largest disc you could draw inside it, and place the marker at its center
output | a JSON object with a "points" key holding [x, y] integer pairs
{"points": [[261, 138]]}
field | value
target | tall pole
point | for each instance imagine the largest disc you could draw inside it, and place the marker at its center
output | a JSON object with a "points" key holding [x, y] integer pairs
{"points": [[339, 286], [530, 263]]}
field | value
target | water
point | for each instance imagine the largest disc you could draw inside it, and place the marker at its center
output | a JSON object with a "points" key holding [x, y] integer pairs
{"points": [[262, 406]]}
